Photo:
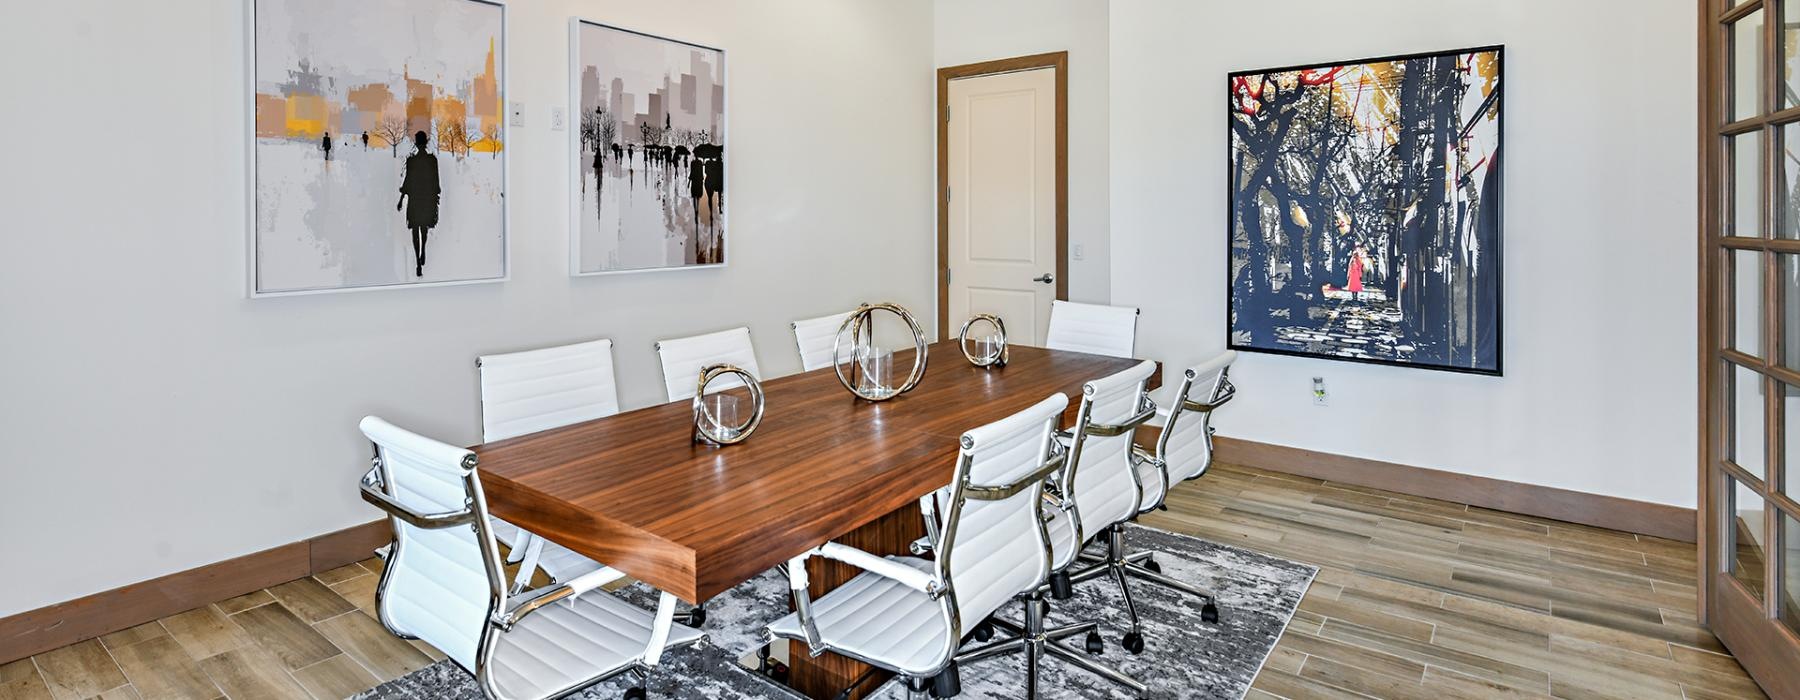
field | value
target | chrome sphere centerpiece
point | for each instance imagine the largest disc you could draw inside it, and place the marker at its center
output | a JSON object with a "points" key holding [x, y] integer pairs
{"points": [[715, 415], [989, 350], [871, 374]]}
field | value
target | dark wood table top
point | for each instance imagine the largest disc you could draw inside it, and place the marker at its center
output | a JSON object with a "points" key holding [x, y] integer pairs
{"points": [[635, 492]]}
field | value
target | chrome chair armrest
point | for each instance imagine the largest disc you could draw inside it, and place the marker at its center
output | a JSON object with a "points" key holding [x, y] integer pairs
{"points": [[1227, 392], [797, 585], [1143, 455], [373, 493], [798, 582], [566, 590], [1130, 424], [1004, 491], [928, 510]]}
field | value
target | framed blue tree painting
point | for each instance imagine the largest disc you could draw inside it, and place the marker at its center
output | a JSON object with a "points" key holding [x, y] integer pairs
{"points": [[1365, 210]]}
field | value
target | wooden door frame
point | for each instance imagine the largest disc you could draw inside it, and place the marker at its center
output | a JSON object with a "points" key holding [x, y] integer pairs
{"points": [[1747, 623], [1058, 60]]}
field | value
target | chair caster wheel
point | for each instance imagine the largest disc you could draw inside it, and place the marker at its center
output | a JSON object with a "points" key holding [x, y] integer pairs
{"points": [[636, 693], [1094, 643], [1134, 642], [1061, 588], [984, 631], [697, 617], [1209, 613], [947, 683], [1154, 567]]}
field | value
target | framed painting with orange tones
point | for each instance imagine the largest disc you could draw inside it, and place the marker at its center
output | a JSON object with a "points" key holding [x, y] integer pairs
{"points": [[1364, 213], [378, 139]]}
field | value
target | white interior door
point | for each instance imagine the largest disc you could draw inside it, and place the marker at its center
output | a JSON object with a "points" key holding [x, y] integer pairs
{"points": [[1002, 179]]}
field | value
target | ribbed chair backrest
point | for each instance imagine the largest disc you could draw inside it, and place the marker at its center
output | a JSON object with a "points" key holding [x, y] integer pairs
{"points": [[816, 337], [1092, 328], [1187, 451], [996, 549], [439, 585], [683, 358], [525, 392], [1099, 477]]}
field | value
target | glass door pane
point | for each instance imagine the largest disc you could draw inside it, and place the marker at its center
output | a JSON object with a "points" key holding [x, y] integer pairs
{"points": [[1746, 302], [1747, 420], [1790, 54], [1745, 153], [1787, 178], [1746, 66], [1744, 535], [1790, 572]]}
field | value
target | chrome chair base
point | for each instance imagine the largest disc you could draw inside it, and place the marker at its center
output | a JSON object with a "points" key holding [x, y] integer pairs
{"points": [[1120, 565], [1034, 641]]}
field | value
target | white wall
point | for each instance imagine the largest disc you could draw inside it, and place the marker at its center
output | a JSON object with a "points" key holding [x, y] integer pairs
{"points": [[156, 420], [972, 31], [1599, 243]]}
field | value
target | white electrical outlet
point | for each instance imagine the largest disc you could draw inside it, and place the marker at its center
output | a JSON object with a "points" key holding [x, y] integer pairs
{"points": [[1320, 397], [556, 118], [1080, 253], [518, 113]]}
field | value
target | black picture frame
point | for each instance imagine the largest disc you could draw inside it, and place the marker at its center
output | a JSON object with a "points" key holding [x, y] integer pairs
{"points": [[1498, 244]]}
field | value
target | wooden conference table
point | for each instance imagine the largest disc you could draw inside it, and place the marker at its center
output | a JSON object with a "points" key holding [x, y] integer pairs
{"points": [[635, 492]]}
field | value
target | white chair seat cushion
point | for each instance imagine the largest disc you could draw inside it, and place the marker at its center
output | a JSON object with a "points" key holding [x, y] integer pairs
{"points": [[1150, 484], [566, 643], [877, 618], [562, 564]]}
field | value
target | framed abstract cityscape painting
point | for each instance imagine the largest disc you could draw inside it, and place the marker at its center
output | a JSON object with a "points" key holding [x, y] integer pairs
{"points": [[1365, 210], [378, 154], [648, 187]]}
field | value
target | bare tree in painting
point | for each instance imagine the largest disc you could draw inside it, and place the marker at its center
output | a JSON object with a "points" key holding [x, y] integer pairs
{"points": [[392, 131], [453, 136]]}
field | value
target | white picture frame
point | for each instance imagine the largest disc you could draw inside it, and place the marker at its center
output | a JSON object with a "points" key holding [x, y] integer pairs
{"points": [[254, 289], [578, 159]]}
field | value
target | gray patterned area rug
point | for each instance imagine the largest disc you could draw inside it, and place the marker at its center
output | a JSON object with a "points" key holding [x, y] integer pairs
{"points": [[1183, 657]]}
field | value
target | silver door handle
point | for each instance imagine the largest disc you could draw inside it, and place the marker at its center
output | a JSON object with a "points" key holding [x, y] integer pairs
{"points": [[1045, 278]]}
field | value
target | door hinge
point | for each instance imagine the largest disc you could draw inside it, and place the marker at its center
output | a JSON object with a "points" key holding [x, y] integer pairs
{"points": [[946, 193], [946, 113], [946, 275]]}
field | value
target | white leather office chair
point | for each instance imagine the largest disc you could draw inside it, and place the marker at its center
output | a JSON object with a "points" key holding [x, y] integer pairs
{"points": [[1184, 448], [1092, 328], [909, 615], [443, 583], [525, 392], [816, 337], [1183, 451], [1099, 493], [683, 358]]}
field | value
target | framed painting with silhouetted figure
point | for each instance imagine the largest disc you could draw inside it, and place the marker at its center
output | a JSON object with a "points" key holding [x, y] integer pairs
{"points": [[378, 144], [1365, 210], [648, 187]]}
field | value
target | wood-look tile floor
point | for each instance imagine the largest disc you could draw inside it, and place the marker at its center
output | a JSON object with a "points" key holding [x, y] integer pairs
{"points": [[1415, 598], [312, 638]]}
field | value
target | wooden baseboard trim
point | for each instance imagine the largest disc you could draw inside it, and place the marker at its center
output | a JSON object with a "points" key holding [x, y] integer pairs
{"points": [[1611, 512], [54, 626]]}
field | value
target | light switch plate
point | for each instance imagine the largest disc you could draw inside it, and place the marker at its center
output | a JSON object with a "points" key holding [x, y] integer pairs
{"points": [[518, 113]]}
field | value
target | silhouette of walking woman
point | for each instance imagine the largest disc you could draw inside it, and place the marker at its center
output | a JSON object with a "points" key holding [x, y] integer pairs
{"points": [[325, 143], [419, 196]]}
